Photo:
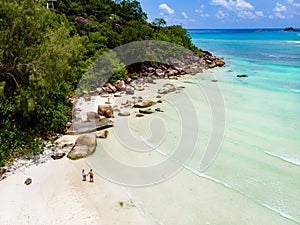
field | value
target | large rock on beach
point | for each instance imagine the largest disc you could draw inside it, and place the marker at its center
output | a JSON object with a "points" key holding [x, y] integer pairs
{"points": [[99, 91], [105, 110], [28, 181], [92, 116], [173, 78], [106, 89], [128, 80], [144, 104], [120, 85], [124, 113], [212, 61], [58, 155], [116, 108], [220, 63], [87, 127], [159, 72], [212, 65], [2, 171], [85, 146], [167, 88], [172, 72], [149, 80], [112, 87], [66, 142], [129, 90], [145, 111], [87, 97], [102, 134], [139, 88], [137, 99]]}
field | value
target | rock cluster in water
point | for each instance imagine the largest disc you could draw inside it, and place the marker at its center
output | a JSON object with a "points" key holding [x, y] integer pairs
{"points": [[290, 29]]}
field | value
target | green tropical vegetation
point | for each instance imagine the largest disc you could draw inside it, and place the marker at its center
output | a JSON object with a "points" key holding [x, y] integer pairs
{"points": [[45, 51]]}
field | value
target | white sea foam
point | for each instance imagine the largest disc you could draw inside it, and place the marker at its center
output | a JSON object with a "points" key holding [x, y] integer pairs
{"points": [[296, 42], [273, 56], [296, 90], [284, 158], [270, 55]]}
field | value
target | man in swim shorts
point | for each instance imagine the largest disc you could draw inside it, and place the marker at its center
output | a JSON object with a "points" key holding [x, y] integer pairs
{"points": [[91, 174]]}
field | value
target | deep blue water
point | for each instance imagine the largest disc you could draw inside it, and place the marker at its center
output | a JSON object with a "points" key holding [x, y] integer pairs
{"points": [[271, 58]]}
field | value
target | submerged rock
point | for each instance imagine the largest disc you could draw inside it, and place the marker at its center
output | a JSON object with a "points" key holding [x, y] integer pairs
{"points": [[159, 110], [241, 75]]}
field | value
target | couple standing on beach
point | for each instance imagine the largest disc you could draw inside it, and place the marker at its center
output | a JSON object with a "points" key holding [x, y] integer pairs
{"points": [[91, 174]]}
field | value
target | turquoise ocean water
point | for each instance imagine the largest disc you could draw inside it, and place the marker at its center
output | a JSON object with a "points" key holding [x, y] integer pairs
{"points": [[260, 155], [271, 58], [255, 178]]}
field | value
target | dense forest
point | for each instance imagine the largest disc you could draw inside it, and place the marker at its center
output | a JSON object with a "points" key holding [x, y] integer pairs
{"points": [[45, 50]]}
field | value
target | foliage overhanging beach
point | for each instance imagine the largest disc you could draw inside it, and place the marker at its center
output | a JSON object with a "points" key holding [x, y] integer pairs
{"points": [[45, 53]]}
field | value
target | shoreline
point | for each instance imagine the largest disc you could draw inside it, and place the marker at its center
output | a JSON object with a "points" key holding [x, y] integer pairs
{"points": [[182, 199], [53, 147], [189, 67], [57, 184]]}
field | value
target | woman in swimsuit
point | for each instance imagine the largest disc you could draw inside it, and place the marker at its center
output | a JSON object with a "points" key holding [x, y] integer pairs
{"points": [[83, 175]]}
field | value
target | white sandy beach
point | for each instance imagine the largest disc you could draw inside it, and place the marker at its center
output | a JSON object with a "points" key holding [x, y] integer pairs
{"points": [[57, 195]]}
